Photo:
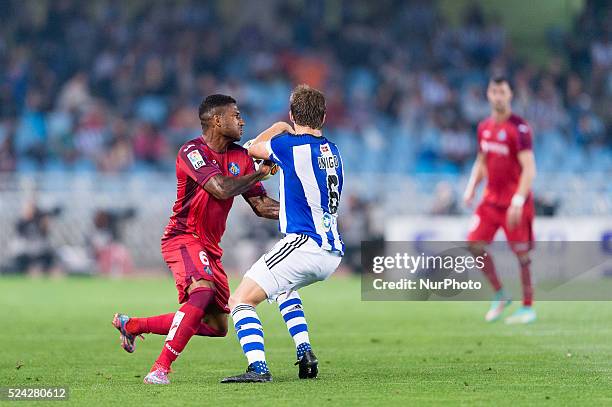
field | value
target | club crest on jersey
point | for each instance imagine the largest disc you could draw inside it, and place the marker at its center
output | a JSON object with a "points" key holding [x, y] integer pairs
{"points": [[324, 148], [501, 136], [233, 168], [196, 159]]}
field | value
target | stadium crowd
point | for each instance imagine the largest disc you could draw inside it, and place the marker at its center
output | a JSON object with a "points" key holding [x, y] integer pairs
{"points": [[112, 86]]}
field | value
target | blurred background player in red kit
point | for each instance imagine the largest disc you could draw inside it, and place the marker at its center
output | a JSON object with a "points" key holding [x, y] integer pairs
{"points": [[211, 170], [506, 159]]}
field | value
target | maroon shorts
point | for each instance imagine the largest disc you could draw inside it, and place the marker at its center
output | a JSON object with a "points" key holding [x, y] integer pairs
{"points": [[489, 218], [188, 259]]}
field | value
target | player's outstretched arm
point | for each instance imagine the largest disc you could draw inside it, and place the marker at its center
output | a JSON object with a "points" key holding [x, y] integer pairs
{"points": [[258, 148], [222, 187], [264, 206], [479, 172]]}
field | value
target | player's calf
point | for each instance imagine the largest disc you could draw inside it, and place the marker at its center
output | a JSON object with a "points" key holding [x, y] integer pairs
{"points": [[291, 308], [184, 325], [250, 335]]}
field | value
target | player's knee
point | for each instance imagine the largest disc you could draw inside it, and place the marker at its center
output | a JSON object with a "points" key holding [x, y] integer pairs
{"points": [[233, 301], [201, 283], [524, 259], [222, 327], [239, 299], [218, 323]]}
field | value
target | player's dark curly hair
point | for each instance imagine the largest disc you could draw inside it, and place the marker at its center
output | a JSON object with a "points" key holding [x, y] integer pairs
{"points": [[210, 104], [307, 106], [501, 78]]}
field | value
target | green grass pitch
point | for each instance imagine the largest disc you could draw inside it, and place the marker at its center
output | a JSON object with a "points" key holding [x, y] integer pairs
{"points": [[371, 353]]}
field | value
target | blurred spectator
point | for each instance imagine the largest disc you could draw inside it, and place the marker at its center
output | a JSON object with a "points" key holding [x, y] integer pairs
{"points": [[445, 200], [8, 156], [150, 145], [31, 136], [32, 251], [112, 257], [74, 95], [72, 73], [355, 224]]}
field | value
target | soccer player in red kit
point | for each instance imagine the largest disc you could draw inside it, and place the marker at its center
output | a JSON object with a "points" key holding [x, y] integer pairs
{"points": [[211, 170], [505, 158]]}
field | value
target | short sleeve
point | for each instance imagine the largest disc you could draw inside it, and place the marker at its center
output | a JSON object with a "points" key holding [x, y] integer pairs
{"points": [[196, 164], [279, 149], [524, 140], [256, 189]]}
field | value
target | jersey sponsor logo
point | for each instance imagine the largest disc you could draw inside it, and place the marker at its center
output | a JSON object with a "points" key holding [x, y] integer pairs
{"points": [[327, 221], [493, 147], [196, 159], [501, 135], [233, 168], [205, 262], [204, 258]]}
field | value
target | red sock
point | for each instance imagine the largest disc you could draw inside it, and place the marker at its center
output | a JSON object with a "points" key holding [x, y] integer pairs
{"points": [[160, 325], [185, 324], [489, 271], [526, 283]]}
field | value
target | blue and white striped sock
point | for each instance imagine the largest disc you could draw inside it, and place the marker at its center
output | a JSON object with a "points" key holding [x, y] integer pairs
{"points": [[251, 337], [292, 310]]}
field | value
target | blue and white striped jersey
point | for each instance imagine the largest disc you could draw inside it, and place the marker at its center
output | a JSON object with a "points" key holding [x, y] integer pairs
{"points": [[311, 180]]}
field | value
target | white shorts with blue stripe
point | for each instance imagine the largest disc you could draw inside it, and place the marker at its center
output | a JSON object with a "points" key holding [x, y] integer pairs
{"points": [[294, 262]]}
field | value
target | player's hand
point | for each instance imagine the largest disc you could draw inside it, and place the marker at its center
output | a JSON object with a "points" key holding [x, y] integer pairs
{"points": [[274, 168], [513, 216], [468, 197], [267, 167]]}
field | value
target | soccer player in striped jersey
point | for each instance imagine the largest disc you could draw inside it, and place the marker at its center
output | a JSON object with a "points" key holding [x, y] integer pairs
{"points": [[311, 180]]}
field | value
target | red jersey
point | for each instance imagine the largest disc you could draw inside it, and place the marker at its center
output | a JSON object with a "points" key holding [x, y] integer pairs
{"points": [[501, 143], [196, 212]]}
